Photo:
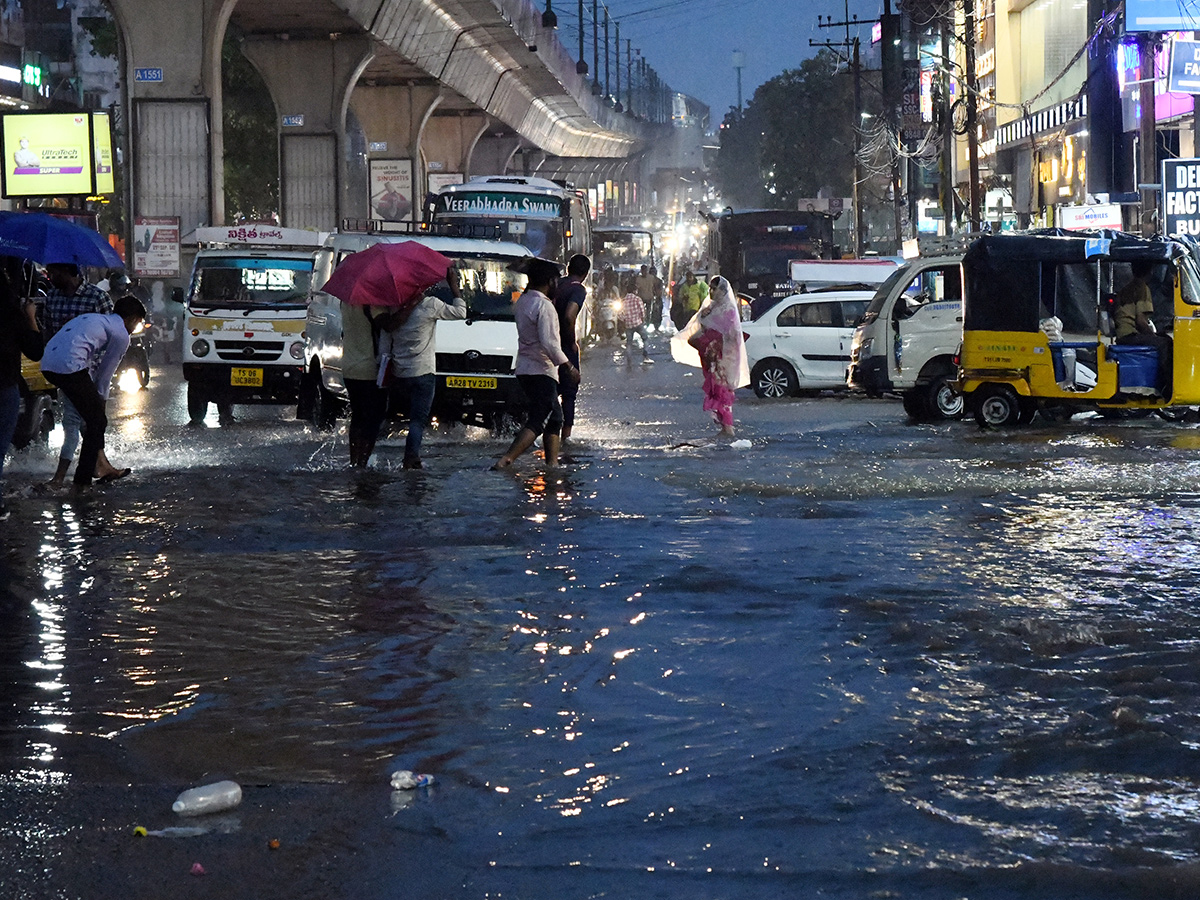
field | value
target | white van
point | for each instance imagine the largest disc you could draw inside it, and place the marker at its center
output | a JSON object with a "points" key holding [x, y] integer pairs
{"points": [[244, 316], [475, 357], [908, 338]]}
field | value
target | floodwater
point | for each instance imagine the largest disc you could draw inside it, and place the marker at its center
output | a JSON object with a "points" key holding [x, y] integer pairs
{"points": [[861, 659]]}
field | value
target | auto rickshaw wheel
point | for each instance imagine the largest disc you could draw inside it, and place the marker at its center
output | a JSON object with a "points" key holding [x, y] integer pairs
{"points": [[996, 405]]}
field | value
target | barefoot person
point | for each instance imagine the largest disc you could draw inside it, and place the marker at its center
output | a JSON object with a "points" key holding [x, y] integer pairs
{"points": [[19, 335], [93, 342], [569, 298], [539, 355], [718, 339]]}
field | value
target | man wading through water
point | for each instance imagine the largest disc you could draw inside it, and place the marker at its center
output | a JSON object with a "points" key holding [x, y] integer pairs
{"points": [[539, 354]]}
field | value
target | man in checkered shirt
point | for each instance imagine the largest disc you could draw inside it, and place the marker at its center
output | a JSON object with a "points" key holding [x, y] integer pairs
{"points": [[633, 317], [72, 296]]}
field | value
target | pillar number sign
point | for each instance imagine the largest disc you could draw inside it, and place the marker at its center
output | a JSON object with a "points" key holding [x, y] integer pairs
{"points": [[1181, 196]]}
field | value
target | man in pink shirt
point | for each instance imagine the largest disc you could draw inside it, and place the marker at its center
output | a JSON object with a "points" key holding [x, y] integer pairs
{"points": [[539, 354]]}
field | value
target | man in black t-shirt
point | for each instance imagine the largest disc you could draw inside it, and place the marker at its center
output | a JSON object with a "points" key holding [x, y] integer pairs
{"points": [[568, 301]]}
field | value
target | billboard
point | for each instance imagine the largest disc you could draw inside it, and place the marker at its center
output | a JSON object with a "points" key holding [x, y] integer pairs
{"points": [[391, 183], [48, 154], [1160, 15], [102, 154], [156, 246]]}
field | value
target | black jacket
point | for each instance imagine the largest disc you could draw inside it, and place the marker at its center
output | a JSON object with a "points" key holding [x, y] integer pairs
{"points": [[16, 338]]}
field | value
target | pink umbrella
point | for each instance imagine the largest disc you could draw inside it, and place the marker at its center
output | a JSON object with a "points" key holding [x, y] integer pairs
{"points": [[387, 274]]}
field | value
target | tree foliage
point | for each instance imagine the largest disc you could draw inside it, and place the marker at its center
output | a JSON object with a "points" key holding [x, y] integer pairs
{"points": [[794, 138], [251, 139]]}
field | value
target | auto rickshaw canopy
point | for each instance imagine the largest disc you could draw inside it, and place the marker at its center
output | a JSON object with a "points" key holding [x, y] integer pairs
{"points": [[1013, 281]]}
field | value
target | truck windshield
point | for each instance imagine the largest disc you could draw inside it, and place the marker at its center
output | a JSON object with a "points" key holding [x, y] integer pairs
{"points": [[773, 259], [885, 290], [488, 286], [248, 283]]}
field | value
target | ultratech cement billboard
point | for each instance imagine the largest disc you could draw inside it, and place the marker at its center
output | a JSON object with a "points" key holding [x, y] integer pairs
{"points": [[1181, 196]]}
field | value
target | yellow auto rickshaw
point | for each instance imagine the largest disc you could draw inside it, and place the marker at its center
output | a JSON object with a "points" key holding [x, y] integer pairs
{"points": [[1038, 326], [36, 419]]}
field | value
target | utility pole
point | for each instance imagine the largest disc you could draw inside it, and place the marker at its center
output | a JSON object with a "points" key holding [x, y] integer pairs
{"points": [[617, 55], [852, 46], [971, 99], [607, 92], [1147, 138], [581, 67], [739, 62], [595, 47], [946, 181]]}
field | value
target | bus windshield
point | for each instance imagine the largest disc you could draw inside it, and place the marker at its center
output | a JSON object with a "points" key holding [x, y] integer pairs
{"points": [[249, 283], [543, 237], [623, 250]]}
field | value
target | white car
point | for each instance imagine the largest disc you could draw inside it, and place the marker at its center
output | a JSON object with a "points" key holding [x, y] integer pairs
{"points": [[802, 343]]}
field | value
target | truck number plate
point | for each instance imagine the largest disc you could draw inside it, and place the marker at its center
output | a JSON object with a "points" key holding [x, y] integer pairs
{"points": [[241, 377], [473, 383]]}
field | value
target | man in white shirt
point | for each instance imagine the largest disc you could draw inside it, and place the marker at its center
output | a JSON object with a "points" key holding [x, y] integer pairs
{"points": [[413, 362], [539, 354], [91, 341]]}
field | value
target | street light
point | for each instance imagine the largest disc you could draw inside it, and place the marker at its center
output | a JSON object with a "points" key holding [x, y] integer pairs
{"points": [[549, 19]]}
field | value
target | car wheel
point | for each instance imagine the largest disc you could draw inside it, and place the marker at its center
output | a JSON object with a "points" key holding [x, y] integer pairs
{"points": [[942, 399], [773, 378], [35, 422], [996, 405], [325, 408], [914, 405], [197, 402]]}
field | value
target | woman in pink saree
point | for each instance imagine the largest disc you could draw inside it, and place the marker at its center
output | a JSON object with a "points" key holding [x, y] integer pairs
{"points": [[716, 334]]}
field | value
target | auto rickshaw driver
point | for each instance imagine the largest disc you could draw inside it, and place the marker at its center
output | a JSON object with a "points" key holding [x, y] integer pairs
{"points": [[1133, 325]]}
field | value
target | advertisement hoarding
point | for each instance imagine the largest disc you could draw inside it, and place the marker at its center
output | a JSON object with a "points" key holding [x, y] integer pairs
{"points": [[102, 153], [156, 246], [391, 182], [47, 154], [1181, 196]]}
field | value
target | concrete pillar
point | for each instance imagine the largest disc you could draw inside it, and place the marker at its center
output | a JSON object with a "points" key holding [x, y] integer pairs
{"points": [[394, 117], [310, 82], [492, 155], [448, 140], [171, 78]]}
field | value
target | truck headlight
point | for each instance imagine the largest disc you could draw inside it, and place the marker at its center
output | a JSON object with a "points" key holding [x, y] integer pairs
{"points": [[200, 349], [864, 349], [297, 350]]}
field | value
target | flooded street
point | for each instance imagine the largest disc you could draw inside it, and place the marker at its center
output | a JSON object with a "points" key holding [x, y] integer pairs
{"points": [[863, 658]]}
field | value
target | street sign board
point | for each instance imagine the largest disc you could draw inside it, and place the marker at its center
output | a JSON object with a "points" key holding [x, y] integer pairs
{"points": [[147, 74], [1183, 76], [1181, 196]]}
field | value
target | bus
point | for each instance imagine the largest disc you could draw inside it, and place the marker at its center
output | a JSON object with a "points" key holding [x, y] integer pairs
{"points": [[754, 249], [550, 218], [623, 248]]}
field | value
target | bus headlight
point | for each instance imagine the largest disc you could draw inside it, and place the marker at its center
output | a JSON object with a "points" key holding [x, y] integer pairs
{"points": [[297, 350], [200, 349]]}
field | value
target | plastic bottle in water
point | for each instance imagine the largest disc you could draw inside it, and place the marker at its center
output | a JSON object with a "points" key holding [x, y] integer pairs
{"points": [[405, 780], [208, 798]]}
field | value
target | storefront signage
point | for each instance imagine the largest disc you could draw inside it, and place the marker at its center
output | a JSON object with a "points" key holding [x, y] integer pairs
{"points": [[1181, 196], [1160, 15], [1063, 172], [1086, 218], [1183, 75]]}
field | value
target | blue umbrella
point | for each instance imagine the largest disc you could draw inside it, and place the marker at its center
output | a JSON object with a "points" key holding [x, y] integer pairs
{"points": [[48, 239]]}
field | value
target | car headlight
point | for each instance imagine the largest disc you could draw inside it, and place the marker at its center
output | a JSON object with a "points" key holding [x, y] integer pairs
{"points": [[200, 348], [297, 350]]}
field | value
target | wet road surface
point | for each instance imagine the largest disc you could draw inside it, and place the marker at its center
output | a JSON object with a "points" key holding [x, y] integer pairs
{"points": [[861, 658]]}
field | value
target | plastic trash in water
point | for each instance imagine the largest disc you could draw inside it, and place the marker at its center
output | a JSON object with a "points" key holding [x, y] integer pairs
{"points": [[208, 798], [198, 869], [405, 780], [740, 444]]}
